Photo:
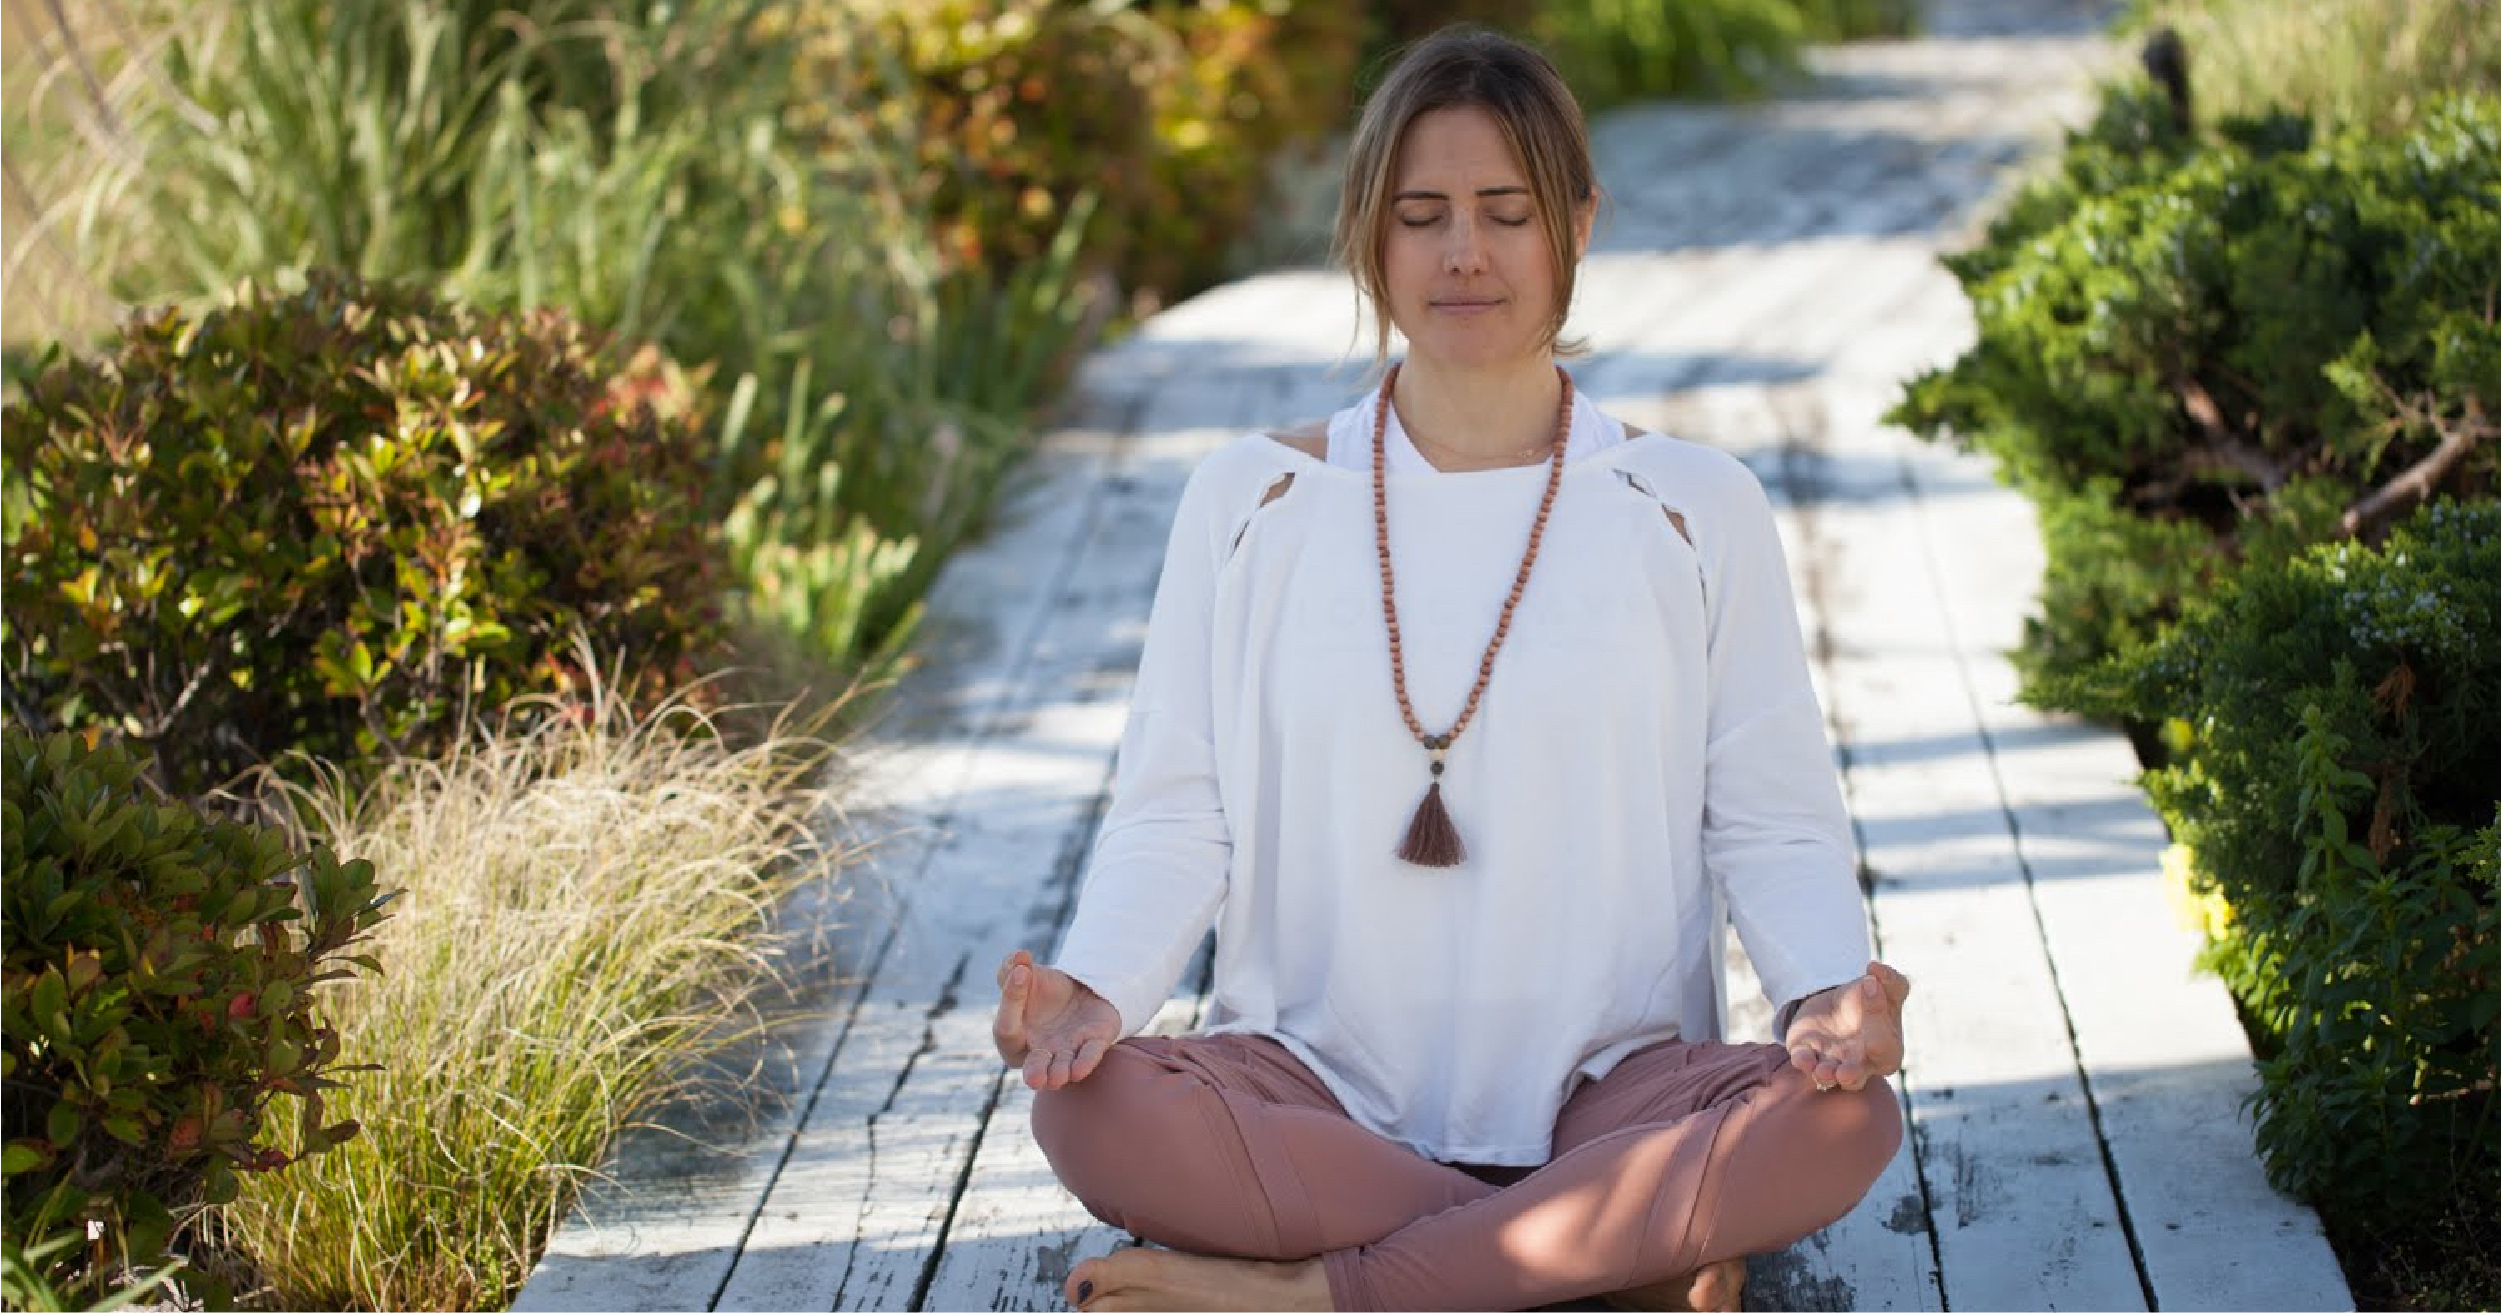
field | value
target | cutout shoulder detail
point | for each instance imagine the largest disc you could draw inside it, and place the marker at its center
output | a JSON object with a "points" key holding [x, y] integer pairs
{"points": [[1310, 439], [1275, 490], [1674, 516]]}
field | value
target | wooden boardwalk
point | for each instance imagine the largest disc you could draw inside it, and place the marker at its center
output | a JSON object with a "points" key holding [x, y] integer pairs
{"points": [[1767, 280]]}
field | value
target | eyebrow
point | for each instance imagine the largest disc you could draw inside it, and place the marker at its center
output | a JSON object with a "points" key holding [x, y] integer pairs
{"points": [[1443, 196]]}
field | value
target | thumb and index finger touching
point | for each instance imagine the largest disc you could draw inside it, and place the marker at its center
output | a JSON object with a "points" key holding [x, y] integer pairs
{"points": [[1851, 1040], [1015, 992], [1061, 1048], [1896, 986]]}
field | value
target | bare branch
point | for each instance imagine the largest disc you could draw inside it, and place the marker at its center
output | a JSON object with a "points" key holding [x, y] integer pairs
{"points": [[28, 713], [2368, 518], [2225, 451]]}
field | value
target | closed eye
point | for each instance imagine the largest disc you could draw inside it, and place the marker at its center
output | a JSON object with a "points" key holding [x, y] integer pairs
{"points": [[1427, 223]]}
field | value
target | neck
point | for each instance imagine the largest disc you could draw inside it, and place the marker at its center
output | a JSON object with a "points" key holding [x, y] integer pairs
{"points": [[1489, 415]]}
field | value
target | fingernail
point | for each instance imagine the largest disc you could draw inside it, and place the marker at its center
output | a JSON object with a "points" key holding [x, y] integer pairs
{"points": [[1085, 1291]]}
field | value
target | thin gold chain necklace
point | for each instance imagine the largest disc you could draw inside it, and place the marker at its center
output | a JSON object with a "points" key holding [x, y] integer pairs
{"points": [[1431, 839], [1515, 457]]}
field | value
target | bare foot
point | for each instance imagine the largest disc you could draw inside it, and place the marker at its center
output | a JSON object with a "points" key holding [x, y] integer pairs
{"points": [[1171, 1279], [1715, 1288]]}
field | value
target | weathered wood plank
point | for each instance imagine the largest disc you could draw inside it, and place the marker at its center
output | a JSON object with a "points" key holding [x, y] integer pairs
{"points": [[1016, 1233], [1808, 303], [1879, 1256], [1882, 1255], [664, 1227], [2164, 1056], [858, 1207], [1758, 327], [2024, 1212]]}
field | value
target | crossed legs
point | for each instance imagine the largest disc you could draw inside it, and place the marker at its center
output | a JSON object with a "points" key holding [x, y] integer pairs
{"points": [[1685, 1155]]}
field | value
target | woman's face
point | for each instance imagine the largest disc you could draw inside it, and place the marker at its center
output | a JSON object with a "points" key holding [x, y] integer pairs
{"points": [[1469, 277]]}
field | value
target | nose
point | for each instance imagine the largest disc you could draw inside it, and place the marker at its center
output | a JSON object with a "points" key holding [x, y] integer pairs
{"points": [[1463, 252]]}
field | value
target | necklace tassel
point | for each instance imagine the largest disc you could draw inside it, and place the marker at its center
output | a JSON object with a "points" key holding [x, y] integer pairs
{"points": [[1431, 839]]}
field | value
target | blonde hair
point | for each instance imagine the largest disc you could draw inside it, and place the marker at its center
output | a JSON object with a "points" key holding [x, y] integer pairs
{"points": [[1464, 67]]}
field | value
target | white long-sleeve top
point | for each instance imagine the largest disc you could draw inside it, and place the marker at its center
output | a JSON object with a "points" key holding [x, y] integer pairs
{"points": [[1649, 744]]}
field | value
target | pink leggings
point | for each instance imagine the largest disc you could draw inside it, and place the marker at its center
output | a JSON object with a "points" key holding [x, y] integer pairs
{"points": [[1684, 1155]]}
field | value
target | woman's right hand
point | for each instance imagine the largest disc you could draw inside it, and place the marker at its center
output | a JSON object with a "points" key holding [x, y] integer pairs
{"points": [[1054, 1027]]}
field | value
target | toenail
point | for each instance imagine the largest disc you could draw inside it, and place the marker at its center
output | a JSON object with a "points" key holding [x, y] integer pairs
{"points": [[1085, 1291]]}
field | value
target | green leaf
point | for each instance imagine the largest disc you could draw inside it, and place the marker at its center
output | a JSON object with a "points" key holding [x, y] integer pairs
{"points": [[148, 1225], [62, 1124], [50, 997]]}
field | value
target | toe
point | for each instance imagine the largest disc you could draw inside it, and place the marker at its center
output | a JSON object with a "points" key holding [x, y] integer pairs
{"points": [[1084, 1282]]}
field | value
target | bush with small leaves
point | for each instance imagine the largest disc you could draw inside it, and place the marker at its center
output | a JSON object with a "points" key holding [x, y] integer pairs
{"points": [[2337, 773], [2198, 354], [337, 519], [1182, 105], [160, 971]]}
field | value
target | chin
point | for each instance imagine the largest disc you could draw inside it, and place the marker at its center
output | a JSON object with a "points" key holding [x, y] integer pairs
{"points": [[1467, 345], [1472, 354]]}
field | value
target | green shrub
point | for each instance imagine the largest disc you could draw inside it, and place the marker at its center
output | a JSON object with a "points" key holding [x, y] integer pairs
{"points": [[1183, 105], [1850, 20], [2197, 355], [2339, 782], [336, 520], [1614, 51], [673, 174], [1248, 81], [160, 972]]}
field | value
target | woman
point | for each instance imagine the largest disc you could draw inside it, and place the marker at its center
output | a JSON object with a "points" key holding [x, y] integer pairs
{"points": [[1461, 1050]]}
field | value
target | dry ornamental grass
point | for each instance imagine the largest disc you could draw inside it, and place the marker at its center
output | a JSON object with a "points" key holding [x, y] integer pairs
{"points": [[582, 924]]}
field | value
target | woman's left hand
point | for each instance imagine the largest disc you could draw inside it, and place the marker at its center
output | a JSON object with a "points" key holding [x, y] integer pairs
{"points": [[1851, 1033]]}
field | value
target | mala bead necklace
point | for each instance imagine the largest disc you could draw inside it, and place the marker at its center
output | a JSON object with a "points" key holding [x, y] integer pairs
{"points": [[1431, 838]]}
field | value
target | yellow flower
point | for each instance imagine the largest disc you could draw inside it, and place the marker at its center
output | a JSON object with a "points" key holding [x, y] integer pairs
{"points": [[2201, 910]]}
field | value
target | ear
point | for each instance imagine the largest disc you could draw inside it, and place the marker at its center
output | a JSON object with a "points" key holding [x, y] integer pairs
{"points": [[1584, 218]]}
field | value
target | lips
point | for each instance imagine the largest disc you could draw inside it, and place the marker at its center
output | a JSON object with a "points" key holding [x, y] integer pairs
{"points": [[1466, 305]]}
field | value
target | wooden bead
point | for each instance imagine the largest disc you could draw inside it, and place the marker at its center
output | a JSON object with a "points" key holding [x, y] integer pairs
{"points": [[1443, 850]]}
